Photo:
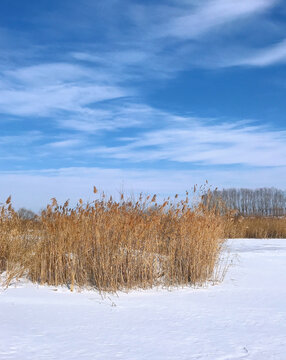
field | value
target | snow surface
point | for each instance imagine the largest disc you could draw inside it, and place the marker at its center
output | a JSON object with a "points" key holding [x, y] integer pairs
{"points": [[242, 318]]}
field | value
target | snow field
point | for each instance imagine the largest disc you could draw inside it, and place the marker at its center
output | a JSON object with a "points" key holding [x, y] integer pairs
{"points": [[242, 318]]}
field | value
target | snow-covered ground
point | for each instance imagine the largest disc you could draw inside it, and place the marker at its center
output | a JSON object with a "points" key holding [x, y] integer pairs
{"points": [[242, 318]]}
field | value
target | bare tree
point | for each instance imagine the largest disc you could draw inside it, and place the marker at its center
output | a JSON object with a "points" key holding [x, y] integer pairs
{"points": [[26, 214]]}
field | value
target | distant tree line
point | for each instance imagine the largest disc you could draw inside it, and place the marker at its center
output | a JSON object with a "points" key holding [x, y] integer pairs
{"points": [[248, 202]]}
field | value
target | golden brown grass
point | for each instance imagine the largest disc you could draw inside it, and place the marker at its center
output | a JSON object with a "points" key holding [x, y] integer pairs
{"points": [[255, 227], [113, 245]]}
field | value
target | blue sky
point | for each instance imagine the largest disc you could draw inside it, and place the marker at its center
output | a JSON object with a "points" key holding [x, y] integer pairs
{"points": [[140, 95]]}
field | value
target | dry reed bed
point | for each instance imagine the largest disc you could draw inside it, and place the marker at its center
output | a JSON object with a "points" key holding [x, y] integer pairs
{"points": [[256, 227], [113, 245]]}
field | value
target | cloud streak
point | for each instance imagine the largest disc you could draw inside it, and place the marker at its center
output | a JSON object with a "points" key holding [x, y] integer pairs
{"points": [[158, 136], [50, 88], [213, 14], [197, 141], [275, 54]]}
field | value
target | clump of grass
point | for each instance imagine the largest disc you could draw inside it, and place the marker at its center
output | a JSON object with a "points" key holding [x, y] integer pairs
{"points": [[113, 245]]}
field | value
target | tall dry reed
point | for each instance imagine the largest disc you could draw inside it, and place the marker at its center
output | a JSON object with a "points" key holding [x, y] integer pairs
{"points": [[113, 245]]}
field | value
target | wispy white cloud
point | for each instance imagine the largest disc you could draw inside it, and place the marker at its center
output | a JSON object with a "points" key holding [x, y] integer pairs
{"points": [[165, 40], [48, 74], [157, 135], [49, 88], [198, 141], [117, 57], [158, 45], [112, 116], [16, 148], [48, 100], [70, 143], [24, 138], [212, 14], [274, 54]]}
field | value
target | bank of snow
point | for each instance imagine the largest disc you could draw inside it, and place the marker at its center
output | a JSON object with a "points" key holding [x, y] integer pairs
{"points": [[242, 318]]}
